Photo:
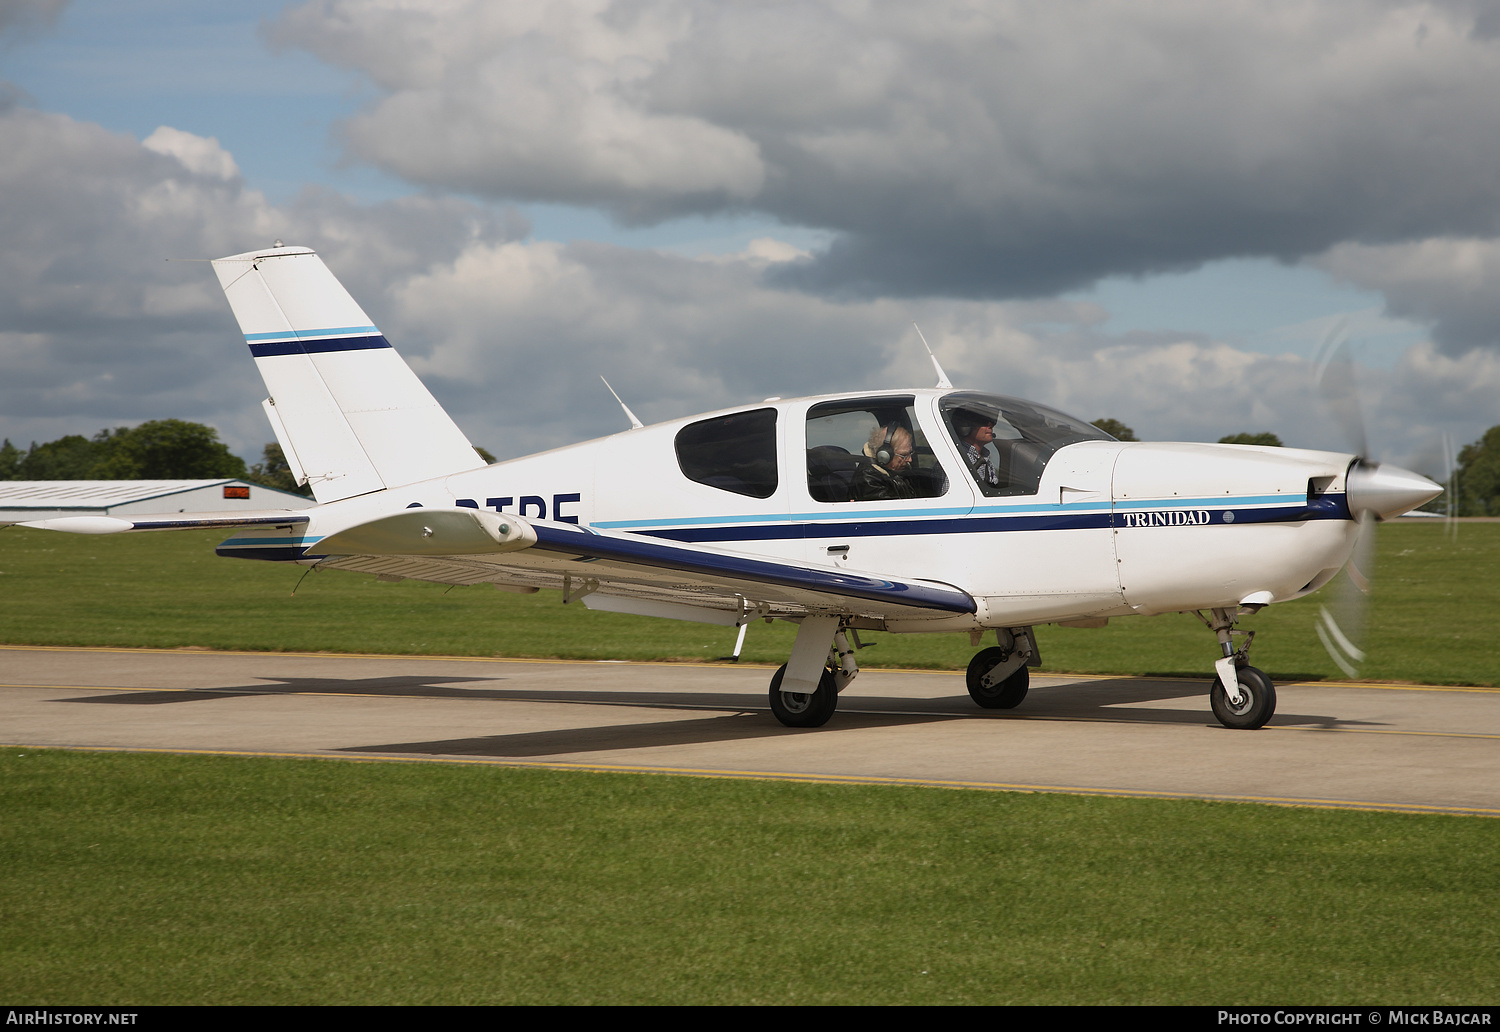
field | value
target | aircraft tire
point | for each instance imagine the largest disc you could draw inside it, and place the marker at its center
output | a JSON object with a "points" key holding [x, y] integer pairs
{"points": [[1257, 708], [797, 709], [1005, 695]]}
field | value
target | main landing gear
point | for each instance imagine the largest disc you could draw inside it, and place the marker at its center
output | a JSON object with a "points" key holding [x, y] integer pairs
{"points": [[823, 661], [1251, 702], [998, 677]]}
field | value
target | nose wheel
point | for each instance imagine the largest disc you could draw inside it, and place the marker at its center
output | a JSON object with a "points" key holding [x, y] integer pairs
{"points": [[1256, 703], [1241, 697]]}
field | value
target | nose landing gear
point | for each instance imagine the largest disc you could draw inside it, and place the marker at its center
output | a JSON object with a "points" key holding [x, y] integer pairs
{"points": [[1242, 697]]}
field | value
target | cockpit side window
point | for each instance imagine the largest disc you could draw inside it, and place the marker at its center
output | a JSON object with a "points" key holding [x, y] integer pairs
{"points": [[870, 449], [1007, 442], [734, 453]]}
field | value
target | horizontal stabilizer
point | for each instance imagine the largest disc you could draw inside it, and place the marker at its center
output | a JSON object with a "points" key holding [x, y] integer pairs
{"points": [[432, 532]]}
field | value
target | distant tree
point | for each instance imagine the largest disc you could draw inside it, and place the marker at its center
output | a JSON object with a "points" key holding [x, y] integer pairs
{"points": [[10, 460], [165, 449], [1478, 476], [1116, 429], [1267, 439], [275, 471], [67, 458]]}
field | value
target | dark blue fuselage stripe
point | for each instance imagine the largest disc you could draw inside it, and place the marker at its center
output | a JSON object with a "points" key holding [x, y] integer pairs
{"points": [[324, 345], [1329, 507]]}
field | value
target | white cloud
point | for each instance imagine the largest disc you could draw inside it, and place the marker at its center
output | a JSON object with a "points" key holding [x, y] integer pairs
{"points": [[198, 154]]}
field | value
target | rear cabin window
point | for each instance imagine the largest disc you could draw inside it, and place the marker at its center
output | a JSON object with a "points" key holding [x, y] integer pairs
{"points": [[844, 440], [735, 453]]}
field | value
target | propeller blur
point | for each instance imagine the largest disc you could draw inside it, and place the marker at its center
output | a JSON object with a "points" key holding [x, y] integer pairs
{"points": [[917, 510]]}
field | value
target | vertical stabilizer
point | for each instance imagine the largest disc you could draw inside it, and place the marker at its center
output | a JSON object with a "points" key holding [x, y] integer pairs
{"points": [[347, 410]]}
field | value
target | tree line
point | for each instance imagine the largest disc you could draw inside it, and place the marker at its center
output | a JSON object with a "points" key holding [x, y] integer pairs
{"points": [[161, 449]]}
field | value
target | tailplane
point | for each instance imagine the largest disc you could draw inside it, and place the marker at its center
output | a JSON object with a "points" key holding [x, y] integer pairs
{"points": [[350, 415]]}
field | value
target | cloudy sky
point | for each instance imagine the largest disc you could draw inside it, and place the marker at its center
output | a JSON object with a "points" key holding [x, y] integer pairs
{"points": [[1154, 211]]}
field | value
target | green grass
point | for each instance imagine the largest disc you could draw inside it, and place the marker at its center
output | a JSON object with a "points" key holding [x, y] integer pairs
{"points": [[139, 879], [1432, 620]]}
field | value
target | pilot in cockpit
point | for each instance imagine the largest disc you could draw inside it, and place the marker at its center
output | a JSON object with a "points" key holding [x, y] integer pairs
{"points": [[889, 450], [976, 432]]}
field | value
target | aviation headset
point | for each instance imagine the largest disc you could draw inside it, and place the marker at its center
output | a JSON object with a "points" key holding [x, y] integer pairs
{"points": [[884, 453]]}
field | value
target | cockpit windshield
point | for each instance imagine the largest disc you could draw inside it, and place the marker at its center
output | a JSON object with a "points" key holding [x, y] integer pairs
{"points": [[1006, 442]]}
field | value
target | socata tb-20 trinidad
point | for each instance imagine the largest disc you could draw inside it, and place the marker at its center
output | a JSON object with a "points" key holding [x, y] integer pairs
{"points": [[932, 510]]}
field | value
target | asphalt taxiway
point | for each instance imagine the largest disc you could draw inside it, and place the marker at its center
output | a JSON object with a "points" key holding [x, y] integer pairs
{"points": [[1354, 745]]}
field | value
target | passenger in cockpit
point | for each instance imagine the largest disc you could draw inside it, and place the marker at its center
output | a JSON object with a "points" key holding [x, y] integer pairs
{"points": [[976, 431], [889, 450]]}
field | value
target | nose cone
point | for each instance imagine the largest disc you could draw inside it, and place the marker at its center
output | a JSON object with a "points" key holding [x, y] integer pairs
{"points": [[1386, 491]]}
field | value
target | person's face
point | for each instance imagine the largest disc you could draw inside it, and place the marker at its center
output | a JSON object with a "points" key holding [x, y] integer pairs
{"points": [[901, 452], [982, 435]]}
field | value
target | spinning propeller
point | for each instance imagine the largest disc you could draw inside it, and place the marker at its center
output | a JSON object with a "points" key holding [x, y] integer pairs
{"points": [[1374, 492]]}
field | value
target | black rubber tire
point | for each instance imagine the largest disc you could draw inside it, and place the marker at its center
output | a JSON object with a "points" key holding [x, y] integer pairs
{"points": [[796, 709], [1005, 695], [1258, 707]]}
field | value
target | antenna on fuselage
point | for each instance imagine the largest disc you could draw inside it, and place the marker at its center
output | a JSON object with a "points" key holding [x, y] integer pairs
{"points": [[635, 424], [942, 376]]}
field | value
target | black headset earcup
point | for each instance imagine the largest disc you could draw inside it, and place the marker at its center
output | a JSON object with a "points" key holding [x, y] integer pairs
{"points": [[883, 453]]}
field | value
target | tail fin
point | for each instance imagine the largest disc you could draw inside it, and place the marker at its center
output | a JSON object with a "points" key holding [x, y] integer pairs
{"points": [[350, 414]]}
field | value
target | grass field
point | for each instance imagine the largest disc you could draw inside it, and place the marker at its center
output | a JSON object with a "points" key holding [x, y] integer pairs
{"points": [[142, 879], [1432, 620], [135, 879]]}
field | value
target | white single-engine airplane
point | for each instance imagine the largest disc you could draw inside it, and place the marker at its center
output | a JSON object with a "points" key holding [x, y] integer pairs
{"points": [[904, 511]]}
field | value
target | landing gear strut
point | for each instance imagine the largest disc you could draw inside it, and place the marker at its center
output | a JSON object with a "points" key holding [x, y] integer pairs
{"points": [[823, 657], [1242, 697], [998, 677]]}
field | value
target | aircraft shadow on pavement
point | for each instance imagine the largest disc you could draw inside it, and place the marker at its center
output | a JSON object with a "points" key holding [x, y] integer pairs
{"points": [[403, 687], [1118, 700], [1125, 699], [727, 727]]}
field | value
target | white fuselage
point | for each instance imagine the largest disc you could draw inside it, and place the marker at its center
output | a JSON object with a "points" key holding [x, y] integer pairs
{"points": [[1111, 528]]}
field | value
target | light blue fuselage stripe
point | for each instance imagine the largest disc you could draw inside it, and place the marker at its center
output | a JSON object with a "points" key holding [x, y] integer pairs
{"points": [[1217, 503]]}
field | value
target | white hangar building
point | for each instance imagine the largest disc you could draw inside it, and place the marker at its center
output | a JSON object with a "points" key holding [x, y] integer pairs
{"points": [[22, 501]]}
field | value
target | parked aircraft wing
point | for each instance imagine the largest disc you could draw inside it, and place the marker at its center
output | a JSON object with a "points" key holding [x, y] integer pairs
{"points": [[172, 521]]}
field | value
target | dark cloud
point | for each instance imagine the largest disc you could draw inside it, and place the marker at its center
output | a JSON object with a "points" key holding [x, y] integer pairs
{"points": [[96, 329], [20, 18], [1001, 149]]}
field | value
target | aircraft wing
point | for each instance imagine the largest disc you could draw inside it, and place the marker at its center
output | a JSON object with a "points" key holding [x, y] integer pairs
{"points": [[664, 578]]}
